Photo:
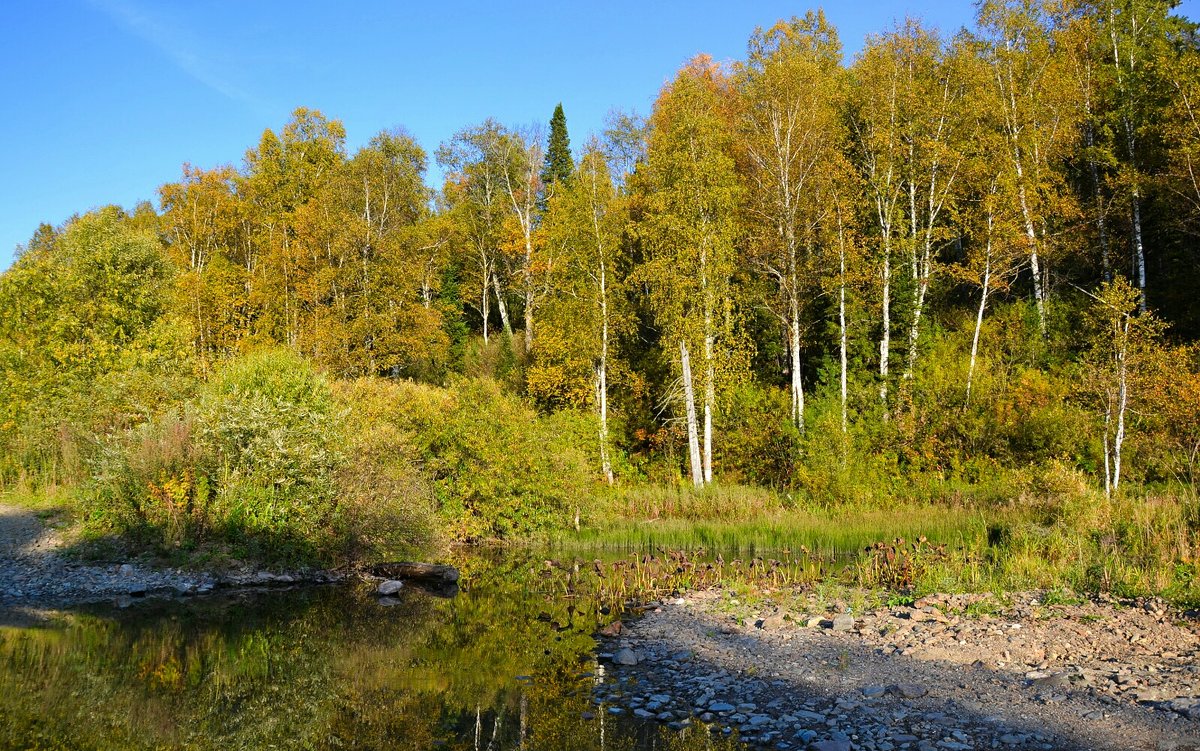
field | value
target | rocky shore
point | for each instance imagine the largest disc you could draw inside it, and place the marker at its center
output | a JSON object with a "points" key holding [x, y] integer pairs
{"points": [[33, 569], [950, 673]]}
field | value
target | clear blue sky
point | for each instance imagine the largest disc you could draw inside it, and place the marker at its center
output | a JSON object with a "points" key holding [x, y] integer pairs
{"points": [[106, 99]]}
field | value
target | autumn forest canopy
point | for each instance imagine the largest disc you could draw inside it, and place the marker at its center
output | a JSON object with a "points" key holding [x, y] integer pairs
{"points": [[952, 269]]}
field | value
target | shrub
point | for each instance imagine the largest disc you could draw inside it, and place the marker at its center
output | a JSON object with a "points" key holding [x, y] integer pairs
{"points": [[250, 462], [387, 503], [757, 444]]}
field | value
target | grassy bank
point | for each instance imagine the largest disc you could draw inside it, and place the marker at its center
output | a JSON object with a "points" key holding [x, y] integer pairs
{"points": [[269, 460], [1130, 546]]}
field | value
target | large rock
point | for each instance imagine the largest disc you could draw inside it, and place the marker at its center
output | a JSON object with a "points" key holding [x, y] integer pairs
{"points": [[911, 690], [389, 587], [626, 656], [843, 622]]}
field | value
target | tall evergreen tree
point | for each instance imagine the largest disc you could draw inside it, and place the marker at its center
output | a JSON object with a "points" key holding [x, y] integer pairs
{"points": [[559, 164]]}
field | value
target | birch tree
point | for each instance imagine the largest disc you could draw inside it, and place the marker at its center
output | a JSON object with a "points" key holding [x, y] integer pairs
{"points": [[584, 314], [520, 161], [1086, 50], [203, 220], [791, 97], [937, 132], [1136, 32], [1123, 344], [876, 117], [845, 243], [691, 198], [476, 194], [993, 249], [367, 310], [1040, 114], [284, 174]]}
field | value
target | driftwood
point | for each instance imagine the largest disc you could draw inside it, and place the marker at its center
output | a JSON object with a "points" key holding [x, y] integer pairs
{"points": [[428, 572]]}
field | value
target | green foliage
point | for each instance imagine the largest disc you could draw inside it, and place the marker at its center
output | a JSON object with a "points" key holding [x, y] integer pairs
{"points": [[267, 462], [494, 468], [500, 471], [269, 420], [757, 444], [87, 344]]}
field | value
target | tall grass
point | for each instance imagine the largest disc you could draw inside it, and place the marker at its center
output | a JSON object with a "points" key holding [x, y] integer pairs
{"points": [[745, 519]]}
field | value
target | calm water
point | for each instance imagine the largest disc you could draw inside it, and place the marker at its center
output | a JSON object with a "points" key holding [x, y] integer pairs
{"points": [[507, 663]]}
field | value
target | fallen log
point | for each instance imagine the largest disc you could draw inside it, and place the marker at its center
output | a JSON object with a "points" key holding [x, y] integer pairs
{"points": [[422, 571]]}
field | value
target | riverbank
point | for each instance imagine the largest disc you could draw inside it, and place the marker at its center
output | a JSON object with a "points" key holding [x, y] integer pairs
{"points": [[35, 568], [947, 672]]}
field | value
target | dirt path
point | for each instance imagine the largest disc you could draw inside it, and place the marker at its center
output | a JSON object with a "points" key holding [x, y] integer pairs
{"points": [[1033, 676], [22, 534]]}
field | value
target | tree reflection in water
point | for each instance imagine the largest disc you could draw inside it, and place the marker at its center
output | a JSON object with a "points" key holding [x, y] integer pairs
{"points": [[322, 668]]}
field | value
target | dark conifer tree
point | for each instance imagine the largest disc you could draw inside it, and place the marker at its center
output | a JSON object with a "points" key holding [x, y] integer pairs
{"points": [[559, 164]]}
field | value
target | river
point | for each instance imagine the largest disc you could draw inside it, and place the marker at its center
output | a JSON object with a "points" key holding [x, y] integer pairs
{"points": [[507, 662]]}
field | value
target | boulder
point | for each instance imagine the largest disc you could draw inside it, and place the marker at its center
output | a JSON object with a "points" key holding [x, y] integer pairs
{"points": [[389, 587]]}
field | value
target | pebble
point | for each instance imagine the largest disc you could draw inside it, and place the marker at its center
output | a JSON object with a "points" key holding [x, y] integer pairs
{"points": [[843, 622]]}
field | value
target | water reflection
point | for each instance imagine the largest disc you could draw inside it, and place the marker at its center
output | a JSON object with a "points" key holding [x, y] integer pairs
{"points": [[508, 663]]}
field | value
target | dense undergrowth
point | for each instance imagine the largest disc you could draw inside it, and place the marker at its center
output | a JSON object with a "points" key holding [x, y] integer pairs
{"points": [[269, 460]]}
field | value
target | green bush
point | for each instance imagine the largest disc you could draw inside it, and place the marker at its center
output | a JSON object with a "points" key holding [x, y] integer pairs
{"points": [[250, 463], [499, 471], [756, 442]]}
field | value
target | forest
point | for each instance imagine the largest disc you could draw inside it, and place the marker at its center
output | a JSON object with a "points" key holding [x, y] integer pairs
{"points": [[955, 274]]}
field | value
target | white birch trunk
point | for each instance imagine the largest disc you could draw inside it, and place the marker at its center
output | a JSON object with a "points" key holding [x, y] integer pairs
{"points": [[794, 346], [689, 397], [914, 329], [987, 280], [913, 326], [1139, 257], [1122, 402], [529, 297], [1139, 254], [842, 319], [885, 341], [485, 309], [709, 405], [1031, 237], [602, 378], [501, 305], [1108, 488]]}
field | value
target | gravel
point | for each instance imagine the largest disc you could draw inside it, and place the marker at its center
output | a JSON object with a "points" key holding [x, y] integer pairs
{"points": [[1095, 675], [34, 569]]}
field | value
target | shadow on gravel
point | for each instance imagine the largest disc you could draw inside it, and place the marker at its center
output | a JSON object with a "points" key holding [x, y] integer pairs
{"points": [[819, 674]]}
